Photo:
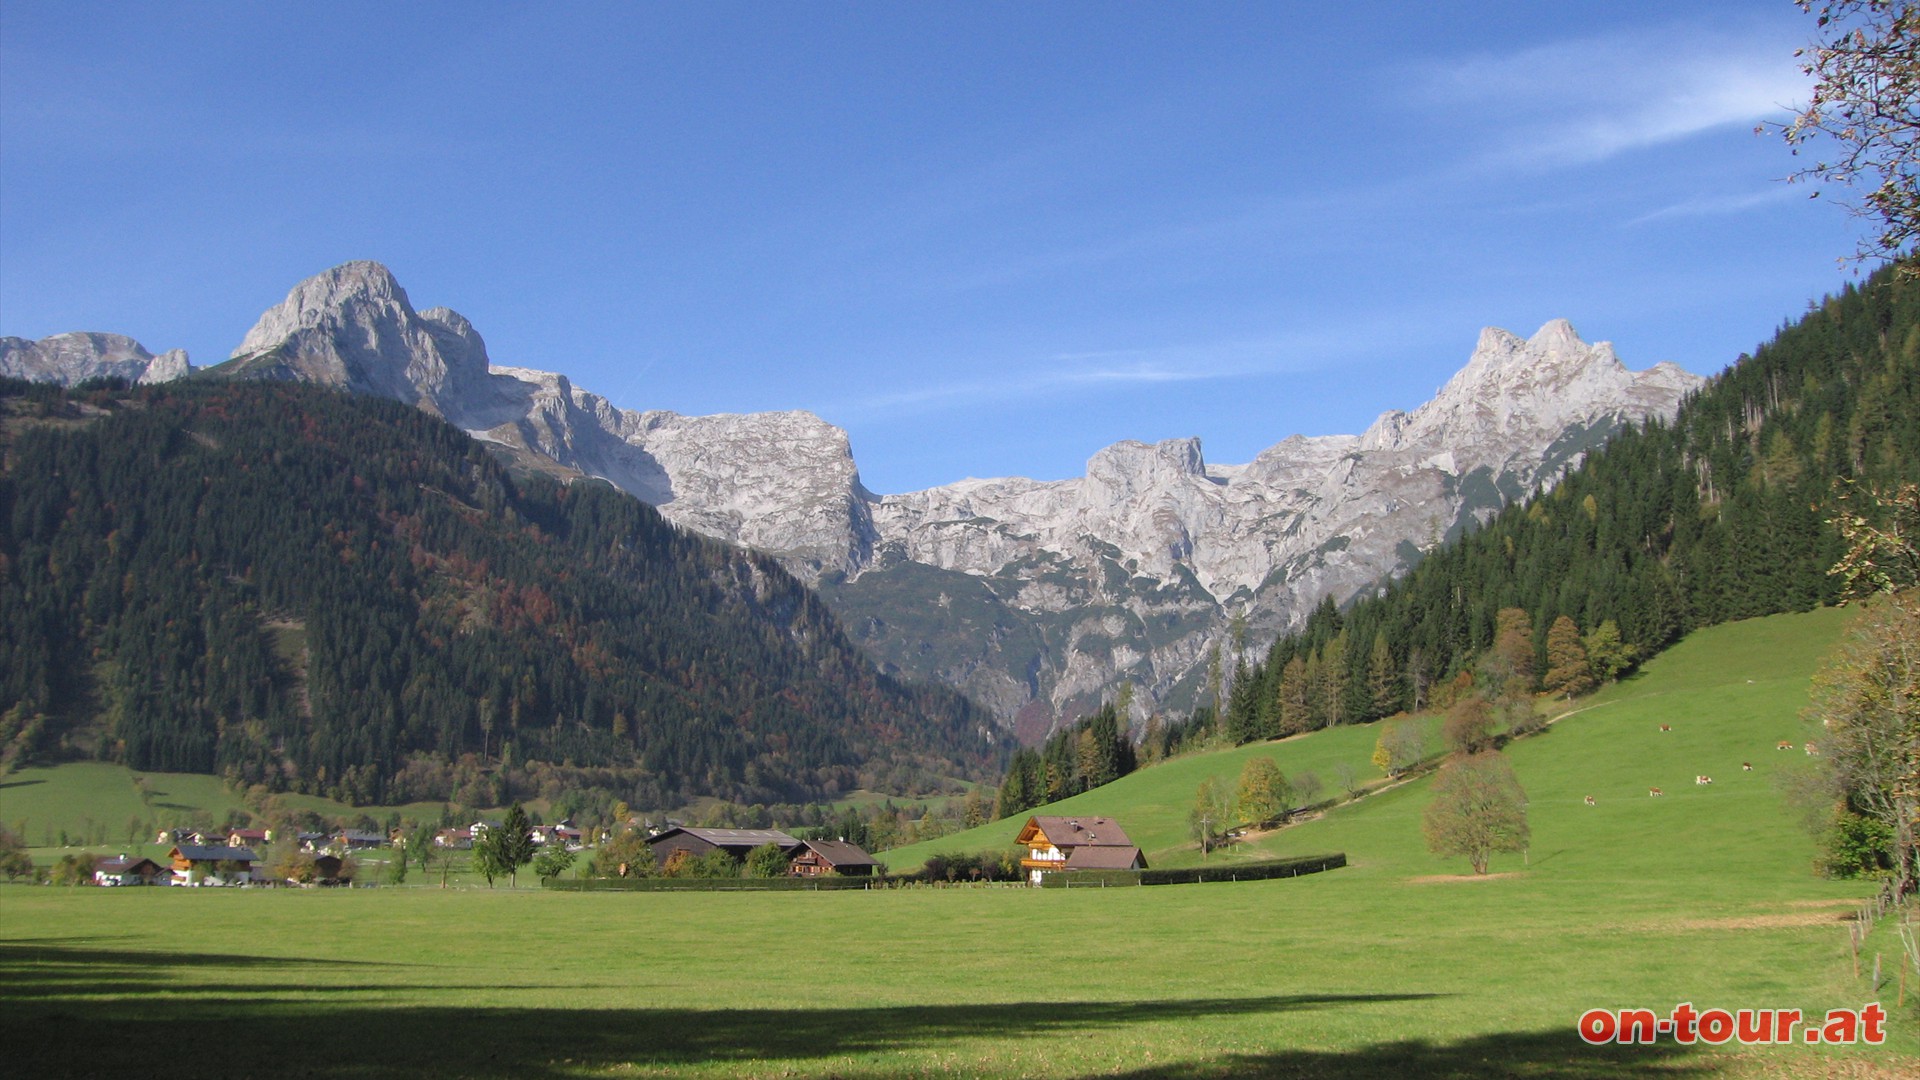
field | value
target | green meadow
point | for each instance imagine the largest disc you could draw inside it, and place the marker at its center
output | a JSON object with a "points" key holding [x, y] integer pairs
{"points": [[1399, 964]]}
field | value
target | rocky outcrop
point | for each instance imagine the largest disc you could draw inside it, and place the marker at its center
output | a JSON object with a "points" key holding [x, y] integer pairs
{"points": [[73, 358]]}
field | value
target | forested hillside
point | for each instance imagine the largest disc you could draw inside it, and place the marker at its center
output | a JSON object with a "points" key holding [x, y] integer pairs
{"points": [[1721, 514], [336, 594]]}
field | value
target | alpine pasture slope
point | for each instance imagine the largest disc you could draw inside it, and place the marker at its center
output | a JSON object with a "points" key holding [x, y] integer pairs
{"points": [[1392, 966]]}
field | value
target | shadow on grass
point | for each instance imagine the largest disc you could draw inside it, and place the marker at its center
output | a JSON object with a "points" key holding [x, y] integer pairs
{"points": [[20, 783], [1555, 1054], [70, 1011]]}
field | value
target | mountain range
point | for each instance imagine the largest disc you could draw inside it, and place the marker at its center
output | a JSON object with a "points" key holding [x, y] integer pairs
{"points": [[1156, 569]]}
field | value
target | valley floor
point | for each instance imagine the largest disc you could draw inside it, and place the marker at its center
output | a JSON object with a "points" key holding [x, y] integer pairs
{"points": [[1394, 966]]}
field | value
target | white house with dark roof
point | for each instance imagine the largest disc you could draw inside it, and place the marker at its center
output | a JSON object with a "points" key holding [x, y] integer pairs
{"points": [[1076, 843]]}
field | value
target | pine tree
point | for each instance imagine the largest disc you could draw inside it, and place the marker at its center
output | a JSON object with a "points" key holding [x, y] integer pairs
{"points": [[1383, 682], [1296, 698], [1334, 675]]}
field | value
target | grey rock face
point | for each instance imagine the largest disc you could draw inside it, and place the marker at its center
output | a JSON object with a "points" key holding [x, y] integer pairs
{"points": [[72, 358], [1036, 598]]}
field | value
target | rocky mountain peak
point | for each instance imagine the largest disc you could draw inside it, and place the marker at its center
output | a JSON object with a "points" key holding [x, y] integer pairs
{"points": [[1125, 468], [1035, 597], [78, 356], [353, 326]]}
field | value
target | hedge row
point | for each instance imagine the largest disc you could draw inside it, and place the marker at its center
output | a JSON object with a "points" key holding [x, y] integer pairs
{"points": [[1246, 871], [653, 884]]}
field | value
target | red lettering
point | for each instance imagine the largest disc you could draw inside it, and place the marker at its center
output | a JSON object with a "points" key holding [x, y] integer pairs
{"points": [[1637, 1026], [1716, 1026], [1842, 1026], [1683, 1018], [1597, 1026], [1783, 1024], [1755, 1024], [1875, 1019]]}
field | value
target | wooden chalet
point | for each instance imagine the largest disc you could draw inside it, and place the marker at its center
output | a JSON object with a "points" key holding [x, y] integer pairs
{"points": [[817, 857], [355, 840], [214, 864], [735, 842], [453, 839], [1076, 843], [127, 870], [247, 838]]}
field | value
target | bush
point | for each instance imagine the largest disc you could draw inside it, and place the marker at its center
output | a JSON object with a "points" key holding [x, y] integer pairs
{"points": [[729, 884], [966, 866], [1190, 875]]}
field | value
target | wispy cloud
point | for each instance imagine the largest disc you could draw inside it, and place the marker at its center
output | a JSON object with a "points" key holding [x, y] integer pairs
{"points": [[1578, 102], [1719, 205], [1113, 370], [1062, 375]]}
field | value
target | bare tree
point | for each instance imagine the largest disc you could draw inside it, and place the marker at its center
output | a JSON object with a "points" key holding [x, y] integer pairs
{"points": [[1865, 113]]}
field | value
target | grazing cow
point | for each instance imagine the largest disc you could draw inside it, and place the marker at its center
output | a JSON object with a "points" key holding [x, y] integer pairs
{"points": [[1666, 727], [1589, 800], [1783, 745], [1811, 750], [1655, 791], [1746, 766], [1703, 779]]}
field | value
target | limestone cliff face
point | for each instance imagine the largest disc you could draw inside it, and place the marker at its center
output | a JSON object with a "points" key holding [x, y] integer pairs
{"points": [[72, 358], [1135, 571], [1038, 598], [783, 482]]}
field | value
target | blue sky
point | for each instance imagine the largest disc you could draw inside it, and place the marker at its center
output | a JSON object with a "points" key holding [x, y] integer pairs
{"points": [[986, 239]]}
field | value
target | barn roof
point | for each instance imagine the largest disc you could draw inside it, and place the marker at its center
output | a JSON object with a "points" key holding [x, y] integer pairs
{"points": [[750, 838], [1091, 857], [841, 853], [122, 864], [207, 853], [1072, 832]]}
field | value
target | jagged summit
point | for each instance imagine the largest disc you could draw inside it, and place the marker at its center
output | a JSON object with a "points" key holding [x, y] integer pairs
{"points": [[353, 327]]}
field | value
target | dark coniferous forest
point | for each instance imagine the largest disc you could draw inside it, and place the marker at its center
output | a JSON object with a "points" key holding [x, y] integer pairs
{"points": [[342, 595], [1721, 514]]}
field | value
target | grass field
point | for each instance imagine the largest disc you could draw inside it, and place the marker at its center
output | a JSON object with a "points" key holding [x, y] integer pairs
{"points": [[1392, 966]]}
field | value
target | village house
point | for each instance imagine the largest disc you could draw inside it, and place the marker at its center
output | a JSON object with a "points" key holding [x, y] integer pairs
{"points": [[818, 857], [196, 837], [127, 870], [735, 842], [249, 837], [1076, 843], [562, 833], [453, 839], [355, 840], [195, 864]]}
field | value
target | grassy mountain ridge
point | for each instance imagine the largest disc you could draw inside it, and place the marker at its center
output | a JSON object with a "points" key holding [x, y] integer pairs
{"points": [[1719, 515], [342, 595], [1730, 692]]}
